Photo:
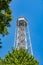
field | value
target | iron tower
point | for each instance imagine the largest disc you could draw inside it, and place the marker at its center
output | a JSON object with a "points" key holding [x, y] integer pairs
{"points": [[22, 35]]}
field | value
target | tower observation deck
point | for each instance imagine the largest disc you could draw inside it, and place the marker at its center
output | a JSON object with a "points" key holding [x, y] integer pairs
{"points": [[22, 35]]}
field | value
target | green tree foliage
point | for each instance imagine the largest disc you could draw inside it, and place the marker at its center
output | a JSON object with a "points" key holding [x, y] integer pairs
{"points": [[19, 57], [5, 16]]}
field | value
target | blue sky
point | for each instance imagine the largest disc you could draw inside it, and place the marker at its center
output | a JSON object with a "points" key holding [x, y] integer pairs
{"points": [[32, 10]]}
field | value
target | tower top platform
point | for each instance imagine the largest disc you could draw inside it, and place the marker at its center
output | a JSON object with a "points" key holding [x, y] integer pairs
{"points": [[21, 21]]}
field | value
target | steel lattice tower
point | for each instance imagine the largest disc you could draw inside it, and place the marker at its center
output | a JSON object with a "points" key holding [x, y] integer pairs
{"points": [[22, 35]]}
